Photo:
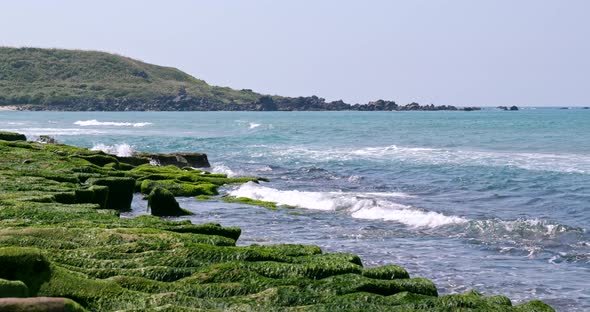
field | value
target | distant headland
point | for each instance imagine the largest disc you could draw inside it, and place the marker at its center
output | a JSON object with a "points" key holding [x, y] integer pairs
{"points": [[74, 80]]}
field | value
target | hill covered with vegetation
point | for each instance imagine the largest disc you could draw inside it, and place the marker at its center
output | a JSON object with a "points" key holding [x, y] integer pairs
{"points": [[49, 77], [55, 79]]}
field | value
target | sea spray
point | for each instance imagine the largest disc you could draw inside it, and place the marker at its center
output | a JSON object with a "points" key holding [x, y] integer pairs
{"points": [[359, 205], [122, 150], [94, 122], [223, 169]]}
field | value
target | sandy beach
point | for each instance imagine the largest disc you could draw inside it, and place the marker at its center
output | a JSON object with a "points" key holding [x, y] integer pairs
{"points": [[8, 108]]}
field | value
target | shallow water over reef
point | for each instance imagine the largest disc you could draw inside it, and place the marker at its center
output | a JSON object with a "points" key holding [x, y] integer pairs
{"points": [[492, 200]]}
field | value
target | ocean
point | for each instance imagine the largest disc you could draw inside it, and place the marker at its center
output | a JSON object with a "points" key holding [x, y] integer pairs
{"points": [[490, 200]]}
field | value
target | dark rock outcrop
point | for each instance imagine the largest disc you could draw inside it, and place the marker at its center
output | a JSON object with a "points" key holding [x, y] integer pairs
{"points": [[12, 136], [264, 103], [47, 139], [120, 192], [180, 160], [162, 203]]}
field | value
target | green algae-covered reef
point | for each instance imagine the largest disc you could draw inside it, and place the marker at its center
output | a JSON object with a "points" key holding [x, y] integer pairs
{"points": [[64, 247]]}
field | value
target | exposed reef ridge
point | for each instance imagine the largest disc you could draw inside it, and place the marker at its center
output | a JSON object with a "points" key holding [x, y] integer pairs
{"points": [[61, 237]]}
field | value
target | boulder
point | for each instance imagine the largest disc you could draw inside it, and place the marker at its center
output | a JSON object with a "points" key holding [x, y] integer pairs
{"points": [[196, 160], [120, 191], [13, 289], [162, 203], [40, 304], [12, 136], [514, 108], [47, 139]]}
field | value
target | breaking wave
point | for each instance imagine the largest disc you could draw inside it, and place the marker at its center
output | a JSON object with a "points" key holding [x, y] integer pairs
{"points": [[555, 162], [122, 150], [57, 131], [94, 122], [358, 205], [224, 169]]}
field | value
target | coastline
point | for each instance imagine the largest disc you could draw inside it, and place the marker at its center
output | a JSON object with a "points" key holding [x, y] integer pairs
{"points": [[55, 212], [8, 108]]}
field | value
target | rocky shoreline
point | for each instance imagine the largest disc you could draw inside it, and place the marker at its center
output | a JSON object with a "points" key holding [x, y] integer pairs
{"points": [[63, 245], [264, 103]]}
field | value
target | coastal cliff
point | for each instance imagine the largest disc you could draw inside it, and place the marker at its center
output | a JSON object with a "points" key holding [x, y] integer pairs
{"points": [[74, 80]]}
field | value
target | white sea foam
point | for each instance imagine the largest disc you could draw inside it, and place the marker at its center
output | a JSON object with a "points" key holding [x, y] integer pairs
{"points": [[57, 131], [122, 150], [254, 125], [155, 162], [224, 169], [94, 122], [528, 229], [568, 163], [358, 205], [264, 169]]}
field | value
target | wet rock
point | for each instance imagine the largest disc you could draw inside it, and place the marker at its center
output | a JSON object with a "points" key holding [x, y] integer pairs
{"points": [[120, 191], [196, 160], [162, 203], [47, 139], [12, 136]]}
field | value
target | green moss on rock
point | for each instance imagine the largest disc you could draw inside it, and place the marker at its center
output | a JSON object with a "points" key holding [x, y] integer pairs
{"points": [[161, 202], [387, 272], [120, 192], [100, 159], [12, 136], [250, 201], [180, 188], [40, 304], [58, 238], [15, 289], [28, 265]]}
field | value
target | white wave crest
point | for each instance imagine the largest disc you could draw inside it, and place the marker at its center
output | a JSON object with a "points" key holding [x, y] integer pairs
{"points": [[56, 131], [264, 169], [358, 205], [555, 162], [223, 169], [94, 122], [254, 125], [122, 150]]}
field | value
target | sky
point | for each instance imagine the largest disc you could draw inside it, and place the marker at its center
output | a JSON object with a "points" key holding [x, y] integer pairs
{"points": [[445, 52]]}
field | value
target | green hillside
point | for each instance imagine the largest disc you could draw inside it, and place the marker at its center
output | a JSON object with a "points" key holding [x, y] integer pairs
{"points": [[54, 76]]}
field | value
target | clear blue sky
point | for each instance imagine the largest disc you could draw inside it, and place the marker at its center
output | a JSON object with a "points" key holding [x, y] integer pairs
{"points": [[455, 52]]}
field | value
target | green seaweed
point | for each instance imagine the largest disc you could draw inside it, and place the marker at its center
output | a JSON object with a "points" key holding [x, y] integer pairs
{"points": [[161, 202], [61, 236], [120, 193], [13, 289], [250, 201], [12, 136]]}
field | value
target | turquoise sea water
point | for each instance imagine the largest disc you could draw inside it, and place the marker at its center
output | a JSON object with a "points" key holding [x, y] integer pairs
{"points": [[490, 200]]}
